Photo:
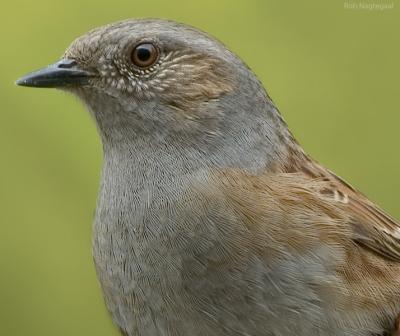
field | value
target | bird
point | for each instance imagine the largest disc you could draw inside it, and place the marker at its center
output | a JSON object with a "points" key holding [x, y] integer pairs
{"points": [[211, 219]]}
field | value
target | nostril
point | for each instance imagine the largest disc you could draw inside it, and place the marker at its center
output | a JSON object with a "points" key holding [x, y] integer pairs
{"points": [[66, 64]]}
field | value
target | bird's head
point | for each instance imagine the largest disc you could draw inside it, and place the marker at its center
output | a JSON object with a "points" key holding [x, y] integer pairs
{"points": [[154, 60], [160, 78]]}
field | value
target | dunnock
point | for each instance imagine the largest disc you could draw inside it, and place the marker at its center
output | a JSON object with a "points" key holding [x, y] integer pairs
{"points": [[211, 219]]}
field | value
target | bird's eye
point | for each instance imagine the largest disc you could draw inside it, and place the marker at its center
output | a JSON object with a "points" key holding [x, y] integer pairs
{"points": [[144, 55]]}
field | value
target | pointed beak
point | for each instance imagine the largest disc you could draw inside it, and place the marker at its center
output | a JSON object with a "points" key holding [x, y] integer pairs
{"points": [[61, 74]]}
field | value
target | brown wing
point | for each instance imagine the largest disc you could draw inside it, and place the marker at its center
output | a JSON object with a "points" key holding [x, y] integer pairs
{"points": [[372, 227]]}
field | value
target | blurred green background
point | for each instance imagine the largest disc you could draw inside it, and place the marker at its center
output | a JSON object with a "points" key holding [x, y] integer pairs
{"points": [[333, 72]]}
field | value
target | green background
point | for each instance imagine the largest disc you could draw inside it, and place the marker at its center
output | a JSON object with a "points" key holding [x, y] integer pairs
{"points": [[333, 72]]}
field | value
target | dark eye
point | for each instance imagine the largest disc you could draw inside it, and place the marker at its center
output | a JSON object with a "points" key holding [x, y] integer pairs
{"points": [[144, 55]]}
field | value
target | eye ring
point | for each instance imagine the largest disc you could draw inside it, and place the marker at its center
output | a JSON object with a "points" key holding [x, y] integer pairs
{"points": [[144, 55]]}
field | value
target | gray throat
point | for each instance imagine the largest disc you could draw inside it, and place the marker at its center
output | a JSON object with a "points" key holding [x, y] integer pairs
{"points": [[136, 144]]}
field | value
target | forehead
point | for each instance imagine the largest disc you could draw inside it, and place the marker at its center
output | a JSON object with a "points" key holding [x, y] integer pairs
{"points": [[169, 34]]}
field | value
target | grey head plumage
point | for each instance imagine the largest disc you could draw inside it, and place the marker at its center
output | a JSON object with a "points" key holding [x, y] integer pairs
{"points": [[191, 91]]}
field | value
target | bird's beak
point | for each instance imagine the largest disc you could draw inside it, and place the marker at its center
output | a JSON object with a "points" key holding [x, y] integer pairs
{"points": [[61, 74]]}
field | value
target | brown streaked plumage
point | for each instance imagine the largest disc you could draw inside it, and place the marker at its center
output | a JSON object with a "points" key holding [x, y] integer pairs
{"points": [[211, 219], [347, 220]]}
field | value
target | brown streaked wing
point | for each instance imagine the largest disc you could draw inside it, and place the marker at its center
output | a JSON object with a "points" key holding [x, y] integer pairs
{"points": [[372, 227]]}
